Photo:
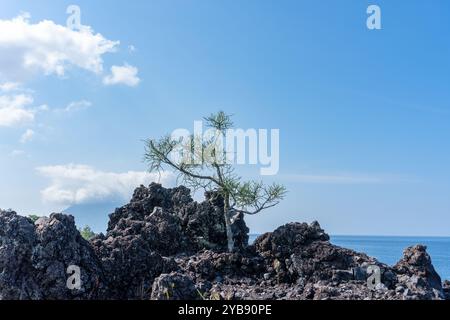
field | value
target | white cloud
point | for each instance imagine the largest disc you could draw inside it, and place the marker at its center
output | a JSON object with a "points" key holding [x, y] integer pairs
{"points": [[77, 105], [76, 184], [126, 75], [14, 110], [9, 86], [27, 136], [45, 47], [73, 106]]}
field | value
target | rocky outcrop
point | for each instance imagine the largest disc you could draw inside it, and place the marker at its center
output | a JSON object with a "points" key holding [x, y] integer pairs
{"points": [[446, 289], [34, 259], [173, 223], [164, 246], [159, 222], [416, 274], [297, 261], [17, 240], [301, 253]]}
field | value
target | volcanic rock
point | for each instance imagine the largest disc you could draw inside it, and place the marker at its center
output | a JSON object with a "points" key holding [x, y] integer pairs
{"points": [[34, 259], [416, 272], [174, 286], [163, 245], [178, 224]]}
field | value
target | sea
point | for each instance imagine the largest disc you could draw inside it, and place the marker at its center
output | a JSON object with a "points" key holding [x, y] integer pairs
{"points": [[389, 249]]}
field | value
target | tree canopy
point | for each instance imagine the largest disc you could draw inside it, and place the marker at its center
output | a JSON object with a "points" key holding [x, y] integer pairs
{"points": [[203, 163]]}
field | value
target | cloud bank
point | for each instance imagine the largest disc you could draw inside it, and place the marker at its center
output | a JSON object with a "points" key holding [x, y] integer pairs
{"points": [[78, 184], [46, 47]]}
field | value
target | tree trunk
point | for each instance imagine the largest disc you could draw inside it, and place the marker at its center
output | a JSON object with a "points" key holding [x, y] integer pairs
{"points": [[227, 214], [229, 232]]}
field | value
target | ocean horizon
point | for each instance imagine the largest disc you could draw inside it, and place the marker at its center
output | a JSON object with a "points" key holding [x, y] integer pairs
{"points": [[389, 249]]}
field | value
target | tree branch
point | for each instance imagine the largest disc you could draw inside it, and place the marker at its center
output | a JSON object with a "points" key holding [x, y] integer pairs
{"points": [[167, 161]]}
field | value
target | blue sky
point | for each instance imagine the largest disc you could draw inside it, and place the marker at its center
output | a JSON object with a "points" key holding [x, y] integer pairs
{"points": [[363, 114]]}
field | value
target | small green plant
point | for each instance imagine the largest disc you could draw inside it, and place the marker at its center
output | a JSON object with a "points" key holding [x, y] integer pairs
{"points": [[201, 295], [87, 233], [166, 292], [33, 217]]}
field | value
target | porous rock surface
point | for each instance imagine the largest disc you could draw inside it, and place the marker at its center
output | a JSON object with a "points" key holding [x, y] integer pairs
{"points": [[163, 245], [34, 258]]}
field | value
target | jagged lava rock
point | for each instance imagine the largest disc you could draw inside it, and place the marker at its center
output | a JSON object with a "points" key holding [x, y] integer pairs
{"points": [[17, 240], [130, 265], [417, 273], [175, 286], [446, 289], [34, 259], [284, 239], [302, 252], [180, 225], [158, 223], [210, 265], [164, 245]]}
